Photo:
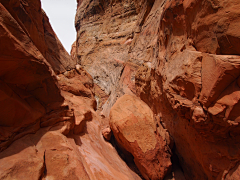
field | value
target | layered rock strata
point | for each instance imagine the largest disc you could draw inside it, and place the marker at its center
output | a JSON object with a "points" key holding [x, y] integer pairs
{"points": [[49, 127], [181, 57], [192, 85], [105, 30], [184, 61]]}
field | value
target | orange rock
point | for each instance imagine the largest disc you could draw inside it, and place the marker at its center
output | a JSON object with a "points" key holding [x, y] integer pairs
{"points": [[192, 83], [99, 158], [180, 57], [107, 133], [21, 161], [48, 123], [133, 126], [33, 20], [28, 85]]}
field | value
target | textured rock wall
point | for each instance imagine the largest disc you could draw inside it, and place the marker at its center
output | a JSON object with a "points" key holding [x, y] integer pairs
{"points": [[28, 85], [34, 22], [192, 87], [49, 128], [113, 39], [182, 59], [105, 30]]}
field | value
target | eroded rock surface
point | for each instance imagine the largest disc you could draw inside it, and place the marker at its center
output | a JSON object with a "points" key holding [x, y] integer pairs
{"points": [[28, 84], [49, 127], [181, 57], [105, 31], [133, 125], [191, 85], [185, 55]]}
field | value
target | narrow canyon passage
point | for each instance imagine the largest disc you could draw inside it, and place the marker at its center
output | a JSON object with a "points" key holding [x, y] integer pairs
{"points": [[150, 91]]}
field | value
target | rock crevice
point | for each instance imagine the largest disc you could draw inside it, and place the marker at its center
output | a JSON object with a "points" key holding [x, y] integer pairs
{"points": [[151, 91]]}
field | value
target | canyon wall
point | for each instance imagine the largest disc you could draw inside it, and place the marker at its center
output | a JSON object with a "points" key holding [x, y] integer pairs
{"points": [[192, 85], [49, 128], [181, 57], [151, 91], [105, 31]]}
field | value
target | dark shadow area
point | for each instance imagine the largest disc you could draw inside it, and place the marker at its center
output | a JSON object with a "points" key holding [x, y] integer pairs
{"points": [[125, 156], [177, 171]]}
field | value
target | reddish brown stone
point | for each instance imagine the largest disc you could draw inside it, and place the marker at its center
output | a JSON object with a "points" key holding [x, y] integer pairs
{"points": [[48, 123], [181, 57], [28, 86], [133, 125], [107, 133], [192, 83]]}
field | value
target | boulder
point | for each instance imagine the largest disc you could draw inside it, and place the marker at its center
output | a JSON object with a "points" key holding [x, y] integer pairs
{"points": [[134, 128]]}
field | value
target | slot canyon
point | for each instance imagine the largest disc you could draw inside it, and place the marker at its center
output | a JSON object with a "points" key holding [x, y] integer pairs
{"points": [[150, 91]]}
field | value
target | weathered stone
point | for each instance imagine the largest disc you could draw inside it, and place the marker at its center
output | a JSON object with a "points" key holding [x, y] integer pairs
{"points": [[181, 57], [107, 133], [133, 125], [48, 123], [28, 84], [192, 83]]}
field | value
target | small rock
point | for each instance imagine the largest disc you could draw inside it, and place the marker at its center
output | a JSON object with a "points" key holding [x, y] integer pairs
{"points": [[107, 133]]}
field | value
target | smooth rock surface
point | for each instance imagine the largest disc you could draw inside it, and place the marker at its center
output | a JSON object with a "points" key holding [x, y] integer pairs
{"points": [[49, 128], [28, 85]]}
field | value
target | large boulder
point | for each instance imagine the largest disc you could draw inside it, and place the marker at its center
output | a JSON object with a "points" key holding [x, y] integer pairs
{"points": [[134, 128]]}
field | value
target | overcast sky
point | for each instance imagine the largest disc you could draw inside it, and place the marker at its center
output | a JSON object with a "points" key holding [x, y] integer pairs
{"points": [[61, 14]]}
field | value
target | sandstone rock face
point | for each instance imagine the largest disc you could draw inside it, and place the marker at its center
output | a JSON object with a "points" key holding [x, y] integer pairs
{"points": [[185, 55], [49, 128], [181, 57], [105, 32], [192, 87], [107, 35], [28, 85], [133, 125], [34, 22]]}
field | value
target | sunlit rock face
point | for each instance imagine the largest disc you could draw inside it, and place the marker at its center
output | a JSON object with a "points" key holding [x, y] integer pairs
{"points": [[49, 128], [158, 79], [105, 33], [134, 128], [182, 59]]}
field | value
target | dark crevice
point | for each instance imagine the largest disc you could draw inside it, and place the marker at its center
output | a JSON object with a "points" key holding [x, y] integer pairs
{"points": [[126, 157], [149, 5], [176, 166], [122, 72], [44, 168], [175, 159]]}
